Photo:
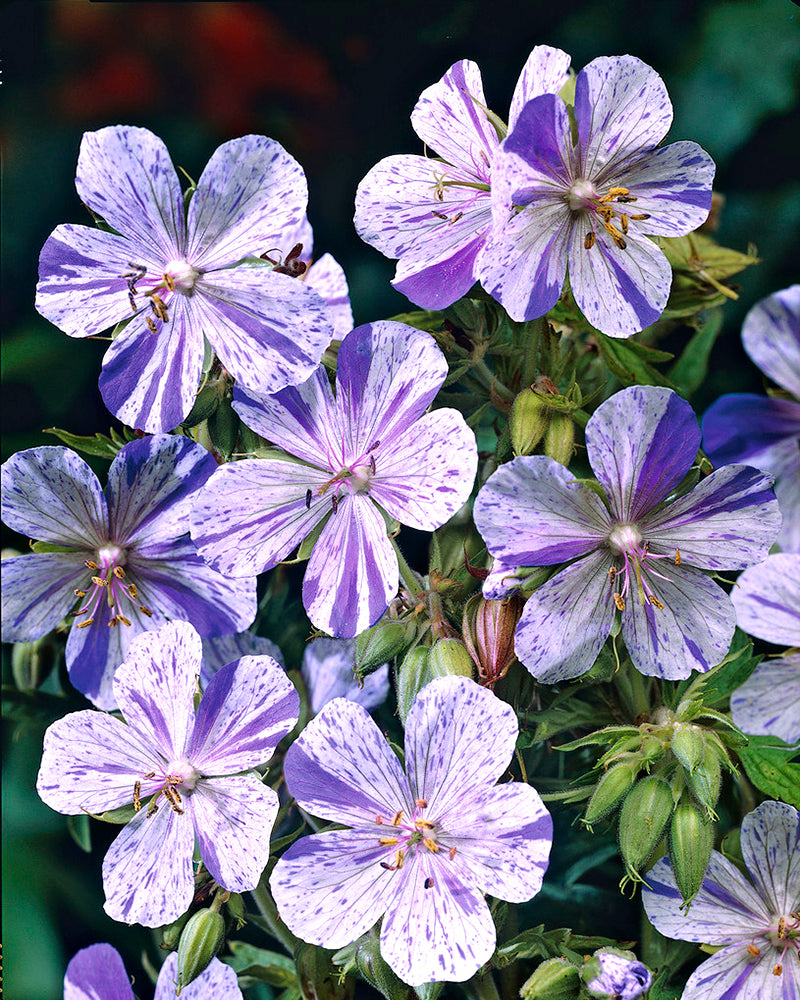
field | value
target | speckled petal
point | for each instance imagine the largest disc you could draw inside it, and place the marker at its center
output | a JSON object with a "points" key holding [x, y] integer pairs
{"points": [[326, 276], [733, 974], [97, 973], [544, 72], [641, 443], [250, 191], [341, 768], [743, 427], [147, 872], [233, 819], [328, 673], [768, 703], [771, 850], [38, 590], [424, 478], [217, 982], [771, 336], [220, 650], [459, 736], [767, 599]]}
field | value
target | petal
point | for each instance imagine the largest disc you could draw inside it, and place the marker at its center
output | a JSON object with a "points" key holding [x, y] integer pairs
{"points": [[532, 512], [38, 590], [566, 621], [727, 910], [458, 736], [693, 630], [269, 330], [97, 973], [249, 193], [330, 888], [771, 336], [506, 840], [83, 279], [767, 600], [51, 494], [341, 768], [91, 762], [217, 982], [328, 673], [621, 107], [450, 117], [728, 521], [144, 200], [220, 650], [768, 703], [545, 72], [326, 276], [147, 872], [253, 513], [740, 426], [233, 820], [771, 850], [155, 685], [442, 933], [641, 443], [732, 974], [352, 573], [387, 376], [424, 478], [246, 710]]}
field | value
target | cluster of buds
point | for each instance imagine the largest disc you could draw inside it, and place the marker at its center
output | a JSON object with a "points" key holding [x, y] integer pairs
{"points": [[610, 974], [540, 413]]}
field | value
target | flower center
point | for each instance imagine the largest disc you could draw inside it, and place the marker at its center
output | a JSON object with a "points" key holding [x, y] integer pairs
{"points": [[582, 196], [625, 541], [178, 277], [108, 581], [418, 834], [783, 936], [355, 478], [179, 775]]}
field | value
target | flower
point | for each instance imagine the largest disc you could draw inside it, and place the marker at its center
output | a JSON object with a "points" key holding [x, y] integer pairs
{"points": [[97, 973], [372, 443], [328, 673], [168, 272], [768, 703], [765, 431], [188, 765], [423, 846], [767, 599], [592, 203], [630, 552], [223, 649], [123, 559], [435, 214], [621, 976], [755, 921]]}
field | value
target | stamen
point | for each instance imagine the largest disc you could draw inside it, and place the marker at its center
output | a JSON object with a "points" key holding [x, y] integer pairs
{"points": [[145, 611], [439, 215], [612, 573], [79, 593], [429, 882], [425, 824], [677, 557], [401, 855], [150, 774], [778, 970], [98, 581], [388, 841], [655, 602], [455, 218], [86, 624], [132, 301], [453, 852], [112, 622], [624, 223], [308, 499], [152, 809], [619, 600], [615, 193], [397, 818], [432, 846], [753, 950], [589, 240], [123, 619], [335, 502], [379, 819], [641, 217], [150, 325], [626, 199], [90, 564], [782, 927], [137, 791], [168, 281], [615, 234], [421, 803], [118, 572], [133, 591], [372, 464]]}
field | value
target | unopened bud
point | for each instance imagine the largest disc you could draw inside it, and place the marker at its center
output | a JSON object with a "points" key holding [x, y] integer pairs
{"points": [[559, 438], [488, 628], [645, 813], [236, 910], [223, 428], [691, 838], [379, 645], [200, 941], [689, 745], [317, 975], [706, 780], [171, 934], [372, 966], [413, 674], [554, 979], [449, 658], [528, 421], [615, 783], [32, 662], [206, 403]]}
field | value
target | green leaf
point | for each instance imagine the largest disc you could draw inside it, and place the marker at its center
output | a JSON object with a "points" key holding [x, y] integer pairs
{"points": [[716, 686], [99, 445], [774, 768], [266, 966], [632, 362], [689, 371]]}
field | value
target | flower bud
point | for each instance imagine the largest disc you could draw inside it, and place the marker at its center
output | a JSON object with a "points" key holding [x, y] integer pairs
{"points": [[615, 783], [372, 967], [223, 428], [559, 438], [643, 819], [614, 974], [554, 979], [691, 838], [413, 674], [171, 934], [318, 977], [706, 780], [528, 421], [488, 628], [380, 644], [236, 910], [206, 403], [449, 658], [33, 662], [688, 744], [200, 941]]}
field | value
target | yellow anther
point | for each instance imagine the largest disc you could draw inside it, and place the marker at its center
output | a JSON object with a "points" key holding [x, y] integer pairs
{"points": [[432, 846], [137, 791], [150, 774], [626, 199], [753, 950], [98, 581], [655, 602], [397, 818], [778, 970], [152, 809], [145, 611], [612, 573], [616, 192], [615, 234], [150, 325], [80, 593], [168, 281], [119, 572], [619, 600], [123, 619], [86, 624], [641, 217], [453, 852], [623, 219], [158, 307], [677, 557], [782, 927], [90, 564], [589, 239], [421, 803], [399, 859], [424, 824], [388, 841], [133, 590], [112, 622]]}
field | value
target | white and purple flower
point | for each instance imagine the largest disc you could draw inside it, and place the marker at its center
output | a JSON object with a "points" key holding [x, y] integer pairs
{"points": [[435, 214], [764, 431], [369, 444], [767, 599], [591, 205], [621, 976], [768, 703], [634, 552], [754, 922], [422, 847], [183, 772], [97, 973], [168, 271], [120, 561], [328, 673]]}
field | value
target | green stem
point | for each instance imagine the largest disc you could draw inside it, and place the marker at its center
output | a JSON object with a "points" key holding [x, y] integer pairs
{"points": [[490, 381], [269, 911], [410, 581], [481, 988]]}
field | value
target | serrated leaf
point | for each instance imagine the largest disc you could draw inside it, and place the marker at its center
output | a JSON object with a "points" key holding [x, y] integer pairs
{"points": [[99, 445], [632, 362], [774, 768], [556, 719]]}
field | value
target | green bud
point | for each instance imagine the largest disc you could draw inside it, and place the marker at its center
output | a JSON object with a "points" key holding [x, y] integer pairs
{"points": [[171, 934], [652, 748], [200, 941], [488, 628], [615, 783], [413, 673], [559, 438], [380, 644], [205, 405], [554, 979], [32, 662], [236, 910], [429, 991], [643, 819], [705, 782], [689, 746], [528, 421], [691, 838], [372, 967], [449, 658], [318, 977], [223, 428], [731, 847]]}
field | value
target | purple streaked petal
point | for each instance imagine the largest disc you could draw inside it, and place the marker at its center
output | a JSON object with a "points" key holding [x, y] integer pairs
{"points": [[693, 630], [566, 621], [423, 479], [458, 736], [330, 887], [771, 336], [144, 200], [253, 513], [38, 590], [220, 650], [510, 849], [442, 933], [641, 443], [233, 820], [326, 276], [621, 977], [768, 703], [97, 973], [733, 974], [217, 982], [91, 762], [728, 521], [771, 850], [246, 710], [545, 72], [249, 193], [767, 599], [787, 492], [51, 494], [532, 512], [443, 282], [502, 579], [341, 768], [328, 673], [147, 872], [155, 685], [352, 573], [740, 427], [727, 910]]}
